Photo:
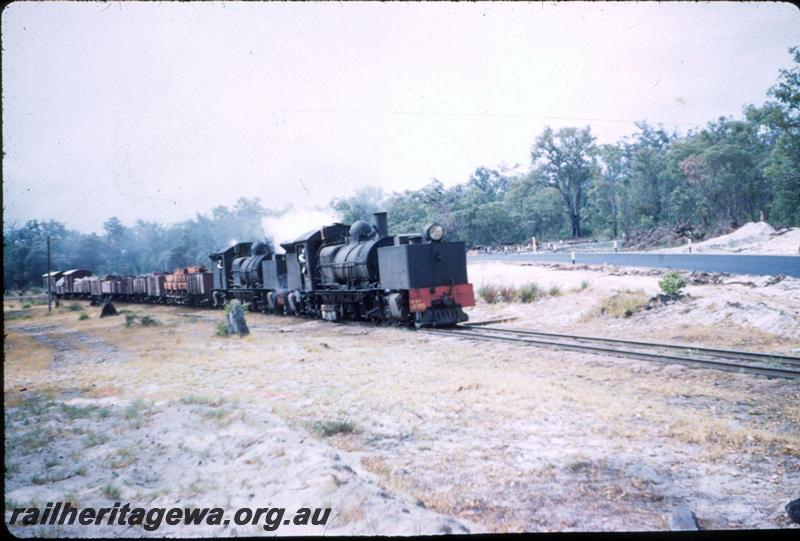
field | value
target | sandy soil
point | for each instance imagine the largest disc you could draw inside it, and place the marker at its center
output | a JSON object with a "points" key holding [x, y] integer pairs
{"points": [[752, 238], [447, 435], [746, 312]]}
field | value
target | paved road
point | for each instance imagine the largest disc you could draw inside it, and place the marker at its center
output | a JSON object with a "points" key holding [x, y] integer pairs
{"points": [[788, 265]]}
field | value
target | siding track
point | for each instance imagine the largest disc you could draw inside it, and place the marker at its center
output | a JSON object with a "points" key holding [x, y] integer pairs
{"points": [[749, 362]]}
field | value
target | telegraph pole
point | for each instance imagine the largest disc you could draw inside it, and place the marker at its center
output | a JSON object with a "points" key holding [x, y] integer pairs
{"points": [[49, 279]]}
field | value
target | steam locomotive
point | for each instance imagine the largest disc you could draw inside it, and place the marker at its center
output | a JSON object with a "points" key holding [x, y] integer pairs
{"points": [[338, 272]]}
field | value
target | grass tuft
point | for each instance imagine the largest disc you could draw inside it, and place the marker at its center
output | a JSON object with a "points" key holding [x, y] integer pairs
{"points": [[488, 294], [530, 292], [111, 492], [326, 429], [145, 320], [149, 321], [622, 304], [507, 293]]}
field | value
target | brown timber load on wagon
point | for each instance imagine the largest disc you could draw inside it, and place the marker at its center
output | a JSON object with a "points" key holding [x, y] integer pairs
{"points": [[175, 283]]}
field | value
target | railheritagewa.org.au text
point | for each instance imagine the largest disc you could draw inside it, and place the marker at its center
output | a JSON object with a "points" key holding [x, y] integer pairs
{"points": [[151, 519]]}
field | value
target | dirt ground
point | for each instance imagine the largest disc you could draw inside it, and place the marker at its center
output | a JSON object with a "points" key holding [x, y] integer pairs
{"points": [[403, 432], [751, 238]]}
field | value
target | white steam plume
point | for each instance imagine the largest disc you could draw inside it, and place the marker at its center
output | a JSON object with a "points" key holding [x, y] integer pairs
{"points": [[296, 221]]}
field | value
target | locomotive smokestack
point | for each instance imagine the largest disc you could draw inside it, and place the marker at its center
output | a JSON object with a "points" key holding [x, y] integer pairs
{"points": [[381, 223]]}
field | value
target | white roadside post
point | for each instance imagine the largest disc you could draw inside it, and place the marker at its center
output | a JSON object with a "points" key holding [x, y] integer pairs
{"points": [[572, 257], [49, 279], [533, 244]]}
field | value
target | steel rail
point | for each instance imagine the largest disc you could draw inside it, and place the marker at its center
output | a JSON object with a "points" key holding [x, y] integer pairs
{"points": [[604, 350], [713, 352]]}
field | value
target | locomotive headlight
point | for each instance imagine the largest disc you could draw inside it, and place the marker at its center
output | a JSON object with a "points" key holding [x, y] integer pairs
{"points": [[434, 232]]}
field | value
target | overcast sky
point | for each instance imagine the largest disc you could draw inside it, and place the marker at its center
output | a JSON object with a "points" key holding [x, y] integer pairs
{"points": [[159, 111]]}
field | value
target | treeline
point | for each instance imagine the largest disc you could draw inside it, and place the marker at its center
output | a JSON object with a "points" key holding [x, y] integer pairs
{"points": [[145, 247], [711, 179]]}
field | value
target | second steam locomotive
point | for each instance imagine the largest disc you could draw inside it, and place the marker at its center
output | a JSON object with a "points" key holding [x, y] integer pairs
{"points": [[337, 272]]}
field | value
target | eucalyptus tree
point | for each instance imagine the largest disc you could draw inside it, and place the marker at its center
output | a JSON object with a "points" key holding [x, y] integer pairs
{"points": [[566, 160]]}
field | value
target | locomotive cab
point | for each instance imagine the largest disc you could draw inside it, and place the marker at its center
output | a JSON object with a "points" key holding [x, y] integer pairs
{"points": [[428, 277]]}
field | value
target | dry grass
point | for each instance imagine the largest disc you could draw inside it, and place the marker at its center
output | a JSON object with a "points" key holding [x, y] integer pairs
{"points": [[527, 293], [622, 304], [25, 363], [283, 368]]}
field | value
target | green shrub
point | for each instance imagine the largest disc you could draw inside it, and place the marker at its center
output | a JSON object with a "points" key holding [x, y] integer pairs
{"points": [[83, 317], [555, 291], [74, 307], [145, 320], [672, 282], [148, 321], [529, 292], [584, 285], [26, 305], [222, 328]]}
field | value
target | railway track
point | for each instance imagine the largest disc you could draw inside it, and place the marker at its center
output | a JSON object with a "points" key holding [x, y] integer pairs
{"points": [[763, 364]]}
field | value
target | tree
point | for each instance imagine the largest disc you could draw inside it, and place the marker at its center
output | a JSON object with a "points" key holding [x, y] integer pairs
{"points": [[782, 166], [650, 179], [565, 160], [605, 194], [361, 206], [722, 167]]}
